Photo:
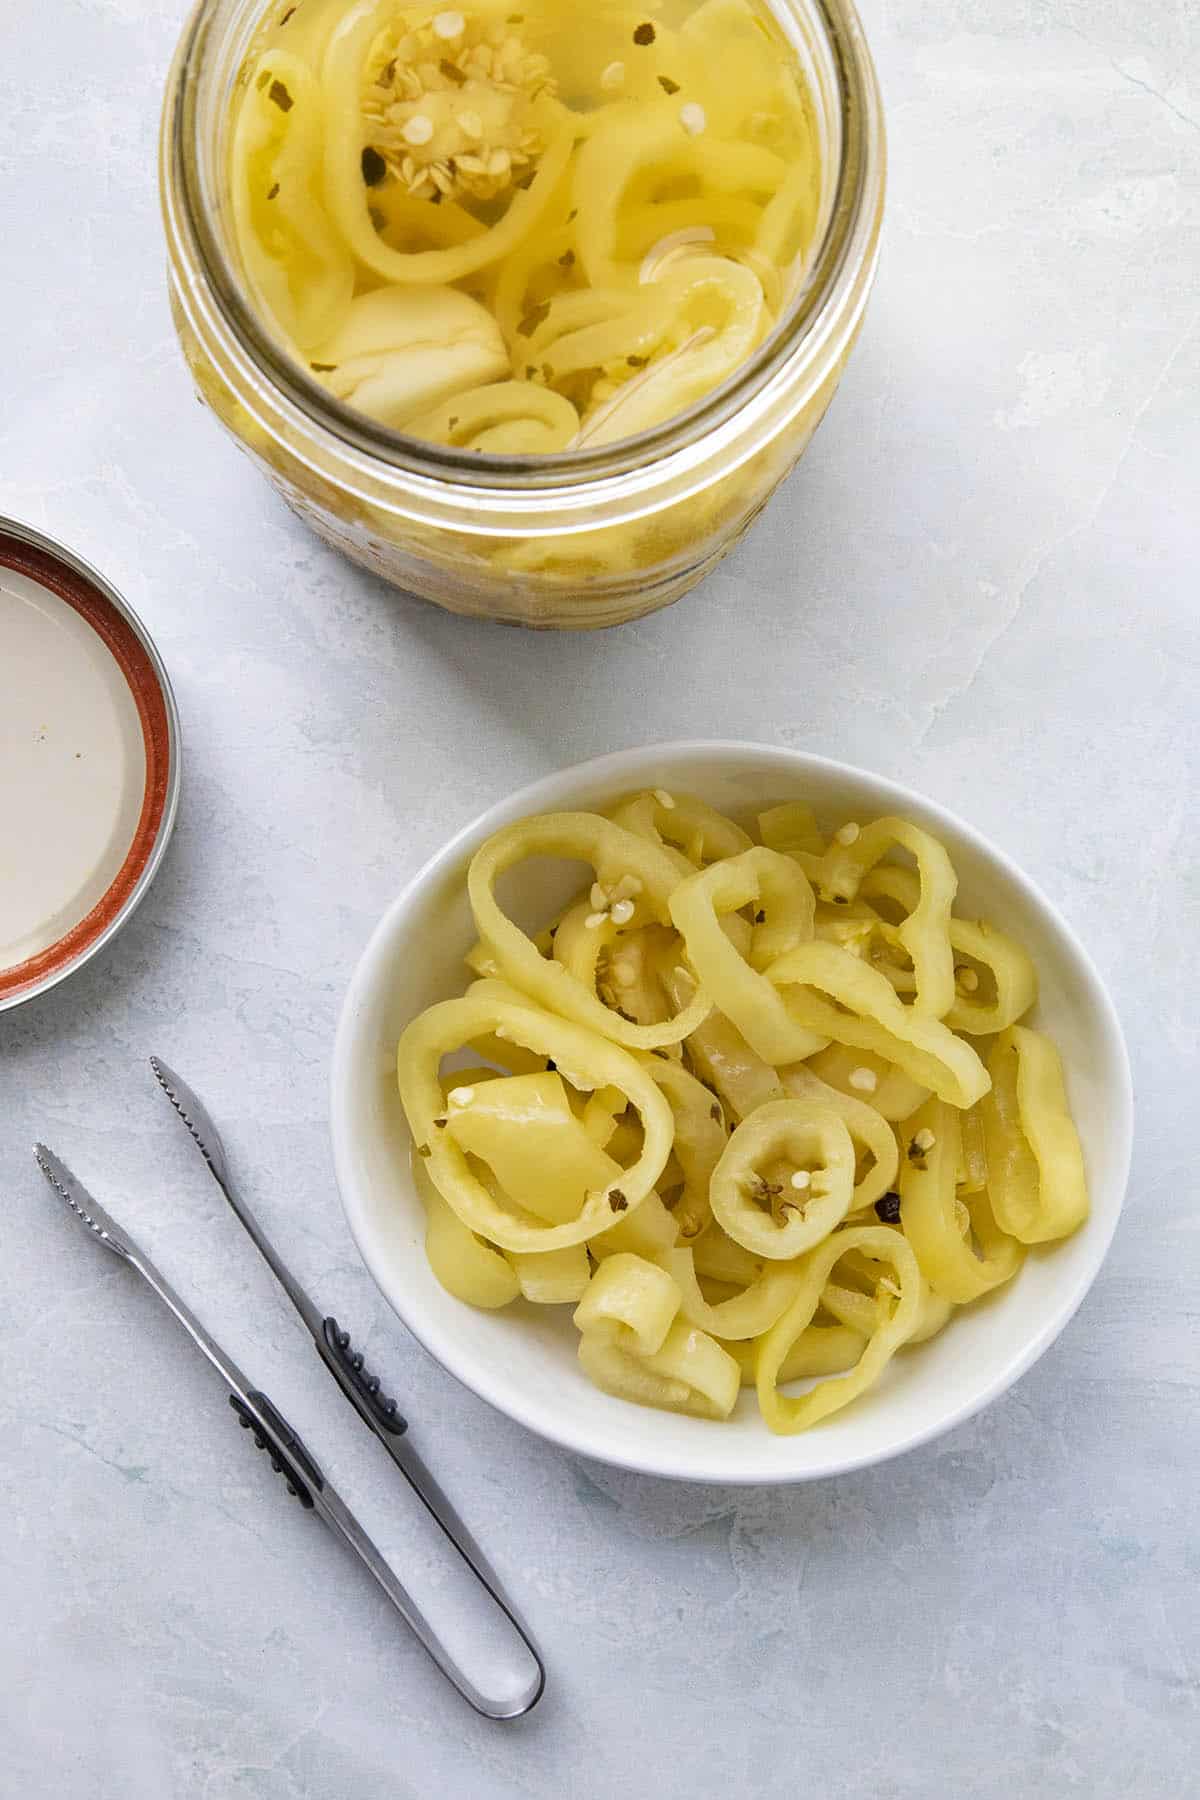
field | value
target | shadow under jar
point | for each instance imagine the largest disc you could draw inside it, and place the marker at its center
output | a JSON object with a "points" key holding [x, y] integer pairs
{"points": [[587, 536]]}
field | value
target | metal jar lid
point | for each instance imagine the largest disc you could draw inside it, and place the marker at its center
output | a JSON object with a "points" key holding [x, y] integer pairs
{"points": [[89, 762]]}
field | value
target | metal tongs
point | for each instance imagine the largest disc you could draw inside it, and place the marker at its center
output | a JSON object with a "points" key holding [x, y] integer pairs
{"points": [[509, 1678]]}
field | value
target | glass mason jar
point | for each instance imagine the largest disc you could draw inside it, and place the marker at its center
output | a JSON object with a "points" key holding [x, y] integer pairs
{"points": [[576, 539]]}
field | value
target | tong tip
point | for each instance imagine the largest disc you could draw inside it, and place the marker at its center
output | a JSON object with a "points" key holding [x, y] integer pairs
{"points": [[200, 1127], [70, 1189]]}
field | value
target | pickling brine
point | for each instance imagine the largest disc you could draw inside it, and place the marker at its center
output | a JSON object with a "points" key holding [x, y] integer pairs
{"points": [[522, 230]]}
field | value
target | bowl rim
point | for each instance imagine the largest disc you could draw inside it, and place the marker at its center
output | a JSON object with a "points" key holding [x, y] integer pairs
{"points": [[544, 793]]}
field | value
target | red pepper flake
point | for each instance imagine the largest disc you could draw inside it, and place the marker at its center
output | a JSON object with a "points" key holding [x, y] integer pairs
{"points": [[566, 259], [289, 14], [617, 1200], [279, 94], [888, 1209], [271, 192], [644, 34], [667, 85]]}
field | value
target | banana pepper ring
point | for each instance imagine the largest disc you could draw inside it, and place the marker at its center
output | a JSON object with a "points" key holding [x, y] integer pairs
{"points": [[790, 828], [925, 932], [868, 1129], [691, 830], [892, 1328], [742, 1316], [819, 1350], [473, 1271], [619, 859], [1011, 969], [347, 198], [785, 1180], [938, 1224], [833, 992], [299, 272], [632, 1343], [1036, 1179], [503, 418], [700, 1139], [783, 902], [895, 1094], [859, 1310], [584, 1058]]}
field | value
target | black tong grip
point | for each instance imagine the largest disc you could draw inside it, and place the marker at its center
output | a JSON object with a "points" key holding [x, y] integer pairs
{"points": [[357, 1382], [288, 1454]]}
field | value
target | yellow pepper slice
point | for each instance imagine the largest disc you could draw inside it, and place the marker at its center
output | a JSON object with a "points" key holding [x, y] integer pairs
{"points": [[791, 827], [819, 1350], [298, 271], [633, 1344], [894, 1096], [467, 1266], [859, 1309], [830, 991], [1036, 1180], [700, 1139], [695, 831], [502, 418], [1009, 970], [718, 1258], [650, 1233], [972, 1170], [785, 1180], [618, 857], [524, 1129], [743, 1315], [552, 1277], [869, 1131], [938, 1224], [632, 1301], [585, 1059], [783, 902], [691, 1373], [347, 197], [925, 932], [717, 1050], [786, 1415]]}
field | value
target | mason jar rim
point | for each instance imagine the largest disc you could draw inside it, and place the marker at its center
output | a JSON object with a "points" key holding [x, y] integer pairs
{"points": [[793, 346]]}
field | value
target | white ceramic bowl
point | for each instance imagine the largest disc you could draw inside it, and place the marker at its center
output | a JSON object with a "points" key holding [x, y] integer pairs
{"points": [[523, 1359]]}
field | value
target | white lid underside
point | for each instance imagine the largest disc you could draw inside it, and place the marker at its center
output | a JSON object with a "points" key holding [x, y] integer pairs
{"points": [[72, 768]]}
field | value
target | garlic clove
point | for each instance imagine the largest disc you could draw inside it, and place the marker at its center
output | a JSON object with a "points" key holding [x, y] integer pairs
{"points": [[401, 351]]}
